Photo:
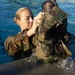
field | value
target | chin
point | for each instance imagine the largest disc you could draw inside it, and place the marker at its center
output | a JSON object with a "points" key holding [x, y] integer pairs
{"points": [[28, 27]]}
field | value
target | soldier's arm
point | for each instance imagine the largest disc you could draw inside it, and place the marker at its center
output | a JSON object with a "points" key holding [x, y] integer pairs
{"points": [[13, 44]]}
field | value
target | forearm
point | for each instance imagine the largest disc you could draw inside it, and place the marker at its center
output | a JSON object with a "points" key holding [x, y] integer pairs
{"points": [[32, 31]]}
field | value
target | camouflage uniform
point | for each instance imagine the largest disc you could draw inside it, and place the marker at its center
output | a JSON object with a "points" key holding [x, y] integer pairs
{"points": [[51, 39], [18, 43]]}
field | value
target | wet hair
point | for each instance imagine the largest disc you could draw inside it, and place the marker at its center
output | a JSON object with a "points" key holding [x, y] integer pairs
{"points": [[17, 15], [44, 3]]}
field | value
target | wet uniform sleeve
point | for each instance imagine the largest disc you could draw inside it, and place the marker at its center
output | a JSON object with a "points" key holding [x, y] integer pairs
{"points": [[14, 44]]}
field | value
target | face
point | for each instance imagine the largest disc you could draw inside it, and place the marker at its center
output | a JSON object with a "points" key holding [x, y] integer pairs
{"points": [[26, 20], [48, 6]]}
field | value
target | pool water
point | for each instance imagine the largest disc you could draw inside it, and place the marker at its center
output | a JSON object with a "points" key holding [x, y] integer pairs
{"points": [[9, 27]]}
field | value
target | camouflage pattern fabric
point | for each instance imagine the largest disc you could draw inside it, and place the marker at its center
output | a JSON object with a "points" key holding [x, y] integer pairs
{"points": [[14, 44], [51, 39], [49, 23]]}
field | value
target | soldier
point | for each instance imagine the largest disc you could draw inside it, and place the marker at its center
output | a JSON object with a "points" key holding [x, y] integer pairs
{"points": [[22, 42], [51, 39]]}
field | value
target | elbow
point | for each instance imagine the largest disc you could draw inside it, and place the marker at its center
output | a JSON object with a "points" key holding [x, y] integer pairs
{"points": [[10, 53]]}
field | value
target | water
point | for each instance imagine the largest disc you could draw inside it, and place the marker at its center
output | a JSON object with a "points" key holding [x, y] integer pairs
{"points": [[9, 27]]}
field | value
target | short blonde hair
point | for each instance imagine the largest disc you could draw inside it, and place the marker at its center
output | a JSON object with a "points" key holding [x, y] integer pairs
{"points": [[17, 15]]}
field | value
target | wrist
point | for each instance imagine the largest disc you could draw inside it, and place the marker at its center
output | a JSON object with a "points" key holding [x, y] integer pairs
{"points": [[30, 32]]}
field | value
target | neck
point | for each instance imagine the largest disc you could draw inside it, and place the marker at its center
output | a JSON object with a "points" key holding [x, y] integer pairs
{"points": [[22, 28]]}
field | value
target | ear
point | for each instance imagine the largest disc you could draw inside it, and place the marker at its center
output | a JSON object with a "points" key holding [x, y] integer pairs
{"points": [[18, 22]]}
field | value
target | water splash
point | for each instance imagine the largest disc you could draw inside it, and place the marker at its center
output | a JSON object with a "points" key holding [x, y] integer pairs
{"points": [[67, 64]]}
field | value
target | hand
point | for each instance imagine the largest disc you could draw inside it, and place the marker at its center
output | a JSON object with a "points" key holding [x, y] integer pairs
{"points": [[38, 19]]}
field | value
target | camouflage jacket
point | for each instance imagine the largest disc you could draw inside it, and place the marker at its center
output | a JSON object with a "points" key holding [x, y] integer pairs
{"points": [[19, 42], [51, 39]]}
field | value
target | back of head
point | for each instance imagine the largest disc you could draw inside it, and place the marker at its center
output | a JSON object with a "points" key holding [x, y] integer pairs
{"points": [[47, 5], [54, 1]]}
